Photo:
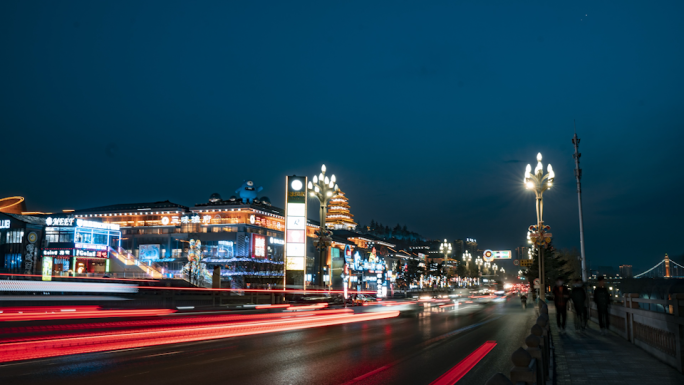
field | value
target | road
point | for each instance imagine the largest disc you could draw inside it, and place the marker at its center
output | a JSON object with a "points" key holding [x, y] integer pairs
{"points": [[405, 350]]}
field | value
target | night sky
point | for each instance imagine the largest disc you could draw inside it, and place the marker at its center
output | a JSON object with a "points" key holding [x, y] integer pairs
{"points": [[427, 112]]}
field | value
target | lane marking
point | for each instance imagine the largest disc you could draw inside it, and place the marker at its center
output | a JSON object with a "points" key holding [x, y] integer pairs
{"points": [[462, 368], [425, 346], [372, 372]]}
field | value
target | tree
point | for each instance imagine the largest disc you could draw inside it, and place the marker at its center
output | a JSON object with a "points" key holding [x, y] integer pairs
{"points": [[414, 271], [461, 270]]}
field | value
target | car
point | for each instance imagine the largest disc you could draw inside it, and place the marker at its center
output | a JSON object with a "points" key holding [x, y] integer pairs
{"points": [[310, 298], [362, 299]]}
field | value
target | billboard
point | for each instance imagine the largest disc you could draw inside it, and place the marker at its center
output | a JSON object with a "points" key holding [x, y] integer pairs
{"points": [[295, 222], [490, 255], [149, 252], [258, 246]]}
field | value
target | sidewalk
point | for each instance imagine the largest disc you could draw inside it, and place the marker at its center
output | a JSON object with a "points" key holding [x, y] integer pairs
{"points": [[590, 358]]}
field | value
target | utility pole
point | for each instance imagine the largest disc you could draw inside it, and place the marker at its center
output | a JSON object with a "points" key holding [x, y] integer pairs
{"points": [[578, 176]]}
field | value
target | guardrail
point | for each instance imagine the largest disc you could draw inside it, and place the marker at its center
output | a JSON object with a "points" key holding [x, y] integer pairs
{"points": [[531, 366], [659, 333]]}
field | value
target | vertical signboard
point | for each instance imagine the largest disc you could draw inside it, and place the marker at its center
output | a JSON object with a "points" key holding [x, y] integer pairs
{"points": [[295, 230], [47, 268], [258, 246]]}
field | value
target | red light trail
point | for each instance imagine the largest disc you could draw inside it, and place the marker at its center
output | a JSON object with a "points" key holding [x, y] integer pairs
{"points": [[72, 312], [50, 346], [457, 372]]}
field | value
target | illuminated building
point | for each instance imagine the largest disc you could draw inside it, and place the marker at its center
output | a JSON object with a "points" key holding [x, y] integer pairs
{"points": [[79, 246], [20, 240], [339, 217], [244, 239], [626, 271], [369, 262]]}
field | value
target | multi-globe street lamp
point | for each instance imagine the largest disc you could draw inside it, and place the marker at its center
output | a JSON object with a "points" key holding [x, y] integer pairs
{"points": [[467, 257], [539, 182], [322, 188], [445, 248]]}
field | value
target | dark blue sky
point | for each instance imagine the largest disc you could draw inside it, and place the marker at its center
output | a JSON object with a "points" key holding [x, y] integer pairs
{"points": [[427, 112]]}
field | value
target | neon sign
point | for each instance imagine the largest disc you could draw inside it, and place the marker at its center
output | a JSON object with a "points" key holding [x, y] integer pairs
{"points": [[5, 224], [59, 221], [259, 246], [96, 225]]}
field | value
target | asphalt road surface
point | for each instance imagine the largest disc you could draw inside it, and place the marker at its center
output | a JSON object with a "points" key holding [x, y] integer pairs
{"points": [[405, 350]]}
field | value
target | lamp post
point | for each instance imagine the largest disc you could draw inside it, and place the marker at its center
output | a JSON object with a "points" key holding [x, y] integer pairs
{"points": [[323, 189], [467, 258], [538, 182], [478, 262], [445, 248]]}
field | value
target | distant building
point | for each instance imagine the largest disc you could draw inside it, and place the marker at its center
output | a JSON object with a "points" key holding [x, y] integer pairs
{"points": [[471, 245], [626, 271], [607, 271]]}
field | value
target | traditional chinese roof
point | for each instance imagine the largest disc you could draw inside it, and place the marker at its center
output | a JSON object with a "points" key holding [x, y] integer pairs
{"points": [[138, 207], [339, 215]]}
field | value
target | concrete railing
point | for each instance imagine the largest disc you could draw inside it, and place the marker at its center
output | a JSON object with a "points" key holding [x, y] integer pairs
{"points": [[531, 366], [660, 334]]}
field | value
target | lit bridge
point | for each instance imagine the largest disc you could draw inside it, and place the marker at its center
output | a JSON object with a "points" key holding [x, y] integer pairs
{"points": [[666, 268]]}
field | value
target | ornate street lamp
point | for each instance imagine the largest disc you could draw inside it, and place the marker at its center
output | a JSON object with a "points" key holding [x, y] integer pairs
{"points": [[322, 188], [445, 248], [538, 182]]}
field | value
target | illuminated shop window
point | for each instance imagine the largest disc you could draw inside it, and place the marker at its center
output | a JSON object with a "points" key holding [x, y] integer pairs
{"points": [[15, 236]]}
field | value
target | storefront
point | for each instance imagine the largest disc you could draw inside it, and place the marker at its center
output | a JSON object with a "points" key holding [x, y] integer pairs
{"points": [[79, 246], [20, 238]]}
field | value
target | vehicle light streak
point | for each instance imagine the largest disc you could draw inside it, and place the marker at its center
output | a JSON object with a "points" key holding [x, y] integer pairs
{"points": [[308, 307], [25, 350], [462, 368], [69, 278], [75, 312], [274, 291], [182, 322], [272, 306]]}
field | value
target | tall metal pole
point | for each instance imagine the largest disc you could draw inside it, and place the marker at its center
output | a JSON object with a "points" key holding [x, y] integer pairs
{"points": [[578, 176], [540, 248]]}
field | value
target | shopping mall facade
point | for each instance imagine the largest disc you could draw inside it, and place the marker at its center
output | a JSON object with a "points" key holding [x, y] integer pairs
{"points": [[244, 239]]}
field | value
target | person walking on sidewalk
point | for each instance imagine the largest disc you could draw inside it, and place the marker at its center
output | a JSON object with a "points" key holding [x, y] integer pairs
{"points": [[561, 294], [579, 299], [602, 299]]}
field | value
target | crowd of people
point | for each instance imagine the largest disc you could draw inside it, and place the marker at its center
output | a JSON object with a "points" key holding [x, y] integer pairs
{"points": [[577, 295]]}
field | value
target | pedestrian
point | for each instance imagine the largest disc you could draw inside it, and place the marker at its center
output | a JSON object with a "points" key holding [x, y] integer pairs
{"points": [[561, 294], [602, 299], [579, 299]]}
